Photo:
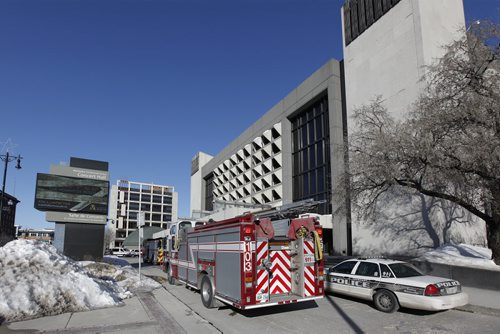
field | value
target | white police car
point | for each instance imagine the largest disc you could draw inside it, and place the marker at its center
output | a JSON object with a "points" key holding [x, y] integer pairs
{"points": [[391, 284]]}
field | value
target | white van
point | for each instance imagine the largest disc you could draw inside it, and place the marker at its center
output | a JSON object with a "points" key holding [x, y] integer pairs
{"points": [[118, 251]]}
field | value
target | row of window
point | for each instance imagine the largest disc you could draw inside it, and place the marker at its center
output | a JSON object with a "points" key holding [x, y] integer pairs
{"points": [[149, 207], [149, 198], [156, 217], [145, 188], [359, 15], [269, 137], [311, 176]]}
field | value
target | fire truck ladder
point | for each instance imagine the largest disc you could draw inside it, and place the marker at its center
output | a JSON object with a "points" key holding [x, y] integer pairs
{"points": [[290, 210]]}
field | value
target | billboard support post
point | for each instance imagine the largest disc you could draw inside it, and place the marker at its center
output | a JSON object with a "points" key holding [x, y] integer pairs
{"points": [[140, 223]]}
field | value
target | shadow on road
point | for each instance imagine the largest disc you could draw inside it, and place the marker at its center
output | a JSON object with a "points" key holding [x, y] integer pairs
{"points": [[370, 304], [344, 315], [270, 310]]}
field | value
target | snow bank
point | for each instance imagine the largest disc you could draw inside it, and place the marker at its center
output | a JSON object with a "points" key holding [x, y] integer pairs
{"points": [[462, 255], [35, 281]]}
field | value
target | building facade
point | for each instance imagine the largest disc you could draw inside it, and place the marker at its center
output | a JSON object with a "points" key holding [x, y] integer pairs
{"points": [[294, 152], [46, 235], [388, 46], [7, 226], [128, 198]]}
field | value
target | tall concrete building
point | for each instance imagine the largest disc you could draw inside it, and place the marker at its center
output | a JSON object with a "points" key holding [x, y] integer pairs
{"points": [[295, 151], [128, 198], [388, 45], [291, 153]]}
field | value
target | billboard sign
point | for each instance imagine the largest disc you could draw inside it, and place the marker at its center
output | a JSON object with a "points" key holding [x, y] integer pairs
{"points": [[70, 194], [79, 172], [70, 217]]}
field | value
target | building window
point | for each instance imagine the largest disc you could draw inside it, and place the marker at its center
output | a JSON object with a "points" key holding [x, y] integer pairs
{"points": [[209, 192], [311, 154], [359, 15]]}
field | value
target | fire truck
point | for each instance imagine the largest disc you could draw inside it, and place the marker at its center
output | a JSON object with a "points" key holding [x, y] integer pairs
{"points": [[251, 261]]}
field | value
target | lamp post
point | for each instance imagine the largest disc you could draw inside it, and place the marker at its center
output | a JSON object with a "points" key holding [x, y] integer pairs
{"points": [[7, 158]]}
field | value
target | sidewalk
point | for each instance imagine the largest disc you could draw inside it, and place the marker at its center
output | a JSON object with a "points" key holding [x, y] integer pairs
{"points": [[161, 312], [147, 312]]}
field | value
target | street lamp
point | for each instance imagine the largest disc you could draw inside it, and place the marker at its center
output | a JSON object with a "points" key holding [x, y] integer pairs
{"points": [[7, 158]]}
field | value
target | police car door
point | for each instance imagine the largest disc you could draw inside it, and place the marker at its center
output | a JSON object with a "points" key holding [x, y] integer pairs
{"points": [[340, 276], [365, 279]]}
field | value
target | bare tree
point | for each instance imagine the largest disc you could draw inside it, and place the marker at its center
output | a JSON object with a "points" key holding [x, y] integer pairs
{"points": [[109, 234], [447, 146]]}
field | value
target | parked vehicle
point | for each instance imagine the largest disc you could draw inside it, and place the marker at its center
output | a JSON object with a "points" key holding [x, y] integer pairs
{"points": [[391, 284], [250, 261], [165, 240], [134, 252], [119, 251]]}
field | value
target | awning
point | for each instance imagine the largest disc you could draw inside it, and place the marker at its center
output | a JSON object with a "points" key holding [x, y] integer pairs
{"points": [[133, 238]]}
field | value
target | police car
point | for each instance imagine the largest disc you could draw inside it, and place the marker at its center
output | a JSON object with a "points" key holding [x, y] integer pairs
{"points": [[391, 284]]}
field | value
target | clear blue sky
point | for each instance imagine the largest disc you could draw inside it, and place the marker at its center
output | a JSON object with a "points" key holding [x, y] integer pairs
{"points": [[145, 84]]}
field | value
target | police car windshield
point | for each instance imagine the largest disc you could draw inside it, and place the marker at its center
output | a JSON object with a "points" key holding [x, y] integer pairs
{"points": [[402, 270]]}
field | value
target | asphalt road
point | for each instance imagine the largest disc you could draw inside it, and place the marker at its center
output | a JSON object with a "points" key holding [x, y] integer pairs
{"points": [[335, 314], [332, 314]]}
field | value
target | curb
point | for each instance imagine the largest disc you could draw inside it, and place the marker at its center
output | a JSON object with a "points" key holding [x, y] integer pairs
{"points": [[479, 310]]}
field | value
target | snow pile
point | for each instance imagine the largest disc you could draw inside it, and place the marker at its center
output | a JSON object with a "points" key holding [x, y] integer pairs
{"points": [[35, 281], [462, 255], [125, 277]]}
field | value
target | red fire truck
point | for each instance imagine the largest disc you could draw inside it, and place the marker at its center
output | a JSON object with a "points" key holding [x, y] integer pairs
{"points": [[251, 261]]}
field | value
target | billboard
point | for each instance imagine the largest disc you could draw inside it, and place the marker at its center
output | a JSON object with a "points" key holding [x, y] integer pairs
{"points": [[71, 194], [74, 217]]}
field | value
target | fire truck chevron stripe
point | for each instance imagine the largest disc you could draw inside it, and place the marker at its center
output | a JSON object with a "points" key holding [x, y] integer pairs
{"points": [[279, 285], [262, 275], [281, 281], [308, 247], [309, 281]]}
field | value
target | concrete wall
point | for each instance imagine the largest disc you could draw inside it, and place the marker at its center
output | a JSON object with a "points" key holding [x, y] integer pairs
{"points": [[325, 79], [389, 59], [198, 185], [471, 277]]}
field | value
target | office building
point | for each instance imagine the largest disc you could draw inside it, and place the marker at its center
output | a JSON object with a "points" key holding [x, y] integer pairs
{"points": [[295, 150], [290, 154], [128, 198], [45, 234], [388, 46]]}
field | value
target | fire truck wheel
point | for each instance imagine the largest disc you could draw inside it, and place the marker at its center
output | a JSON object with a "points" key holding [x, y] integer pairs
{"points": [[170, 275], [207, 292]]}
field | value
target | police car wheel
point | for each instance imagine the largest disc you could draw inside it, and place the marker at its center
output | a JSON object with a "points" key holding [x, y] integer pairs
{"points": [[207, 293], [386, 301]]}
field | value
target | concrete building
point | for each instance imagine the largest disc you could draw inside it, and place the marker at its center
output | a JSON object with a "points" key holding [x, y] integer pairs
{"points": [[45, 234], [292, 153], [7, 227], [128, 198], [295, 151], [388, 45]]}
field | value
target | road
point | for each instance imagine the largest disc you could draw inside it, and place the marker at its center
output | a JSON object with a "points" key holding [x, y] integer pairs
{"points": [[332, 314]]}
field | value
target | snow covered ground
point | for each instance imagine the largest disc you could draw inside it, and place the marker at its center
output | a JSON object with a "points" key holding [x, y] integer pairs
{"points": [[36, 280], [462, 255]]}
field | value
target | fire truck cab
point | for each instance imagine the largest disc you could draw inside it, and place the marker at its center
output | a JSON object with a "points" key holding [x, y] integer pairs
{"points": [[250, 261]]}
